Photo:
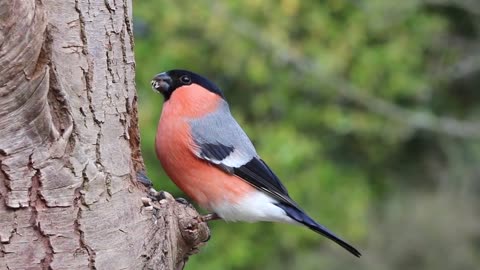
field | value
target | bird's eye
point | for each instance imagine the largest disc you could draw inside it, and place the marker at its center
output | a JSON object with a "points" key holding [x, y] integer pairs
{"points": [[185, 79]]}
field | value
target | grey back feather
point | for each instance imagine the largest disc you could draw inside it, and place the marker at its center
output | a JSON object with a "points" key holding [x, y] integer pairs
{"points": [[219, 127]]}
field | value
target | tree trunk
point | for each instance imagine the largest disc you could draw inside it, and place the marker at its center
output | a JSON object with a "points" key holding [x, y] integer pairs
{"points": [[69, 145]]}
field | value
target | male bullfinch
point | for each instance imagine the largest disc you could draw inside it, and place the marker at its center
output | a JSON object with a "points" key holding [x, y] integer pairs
{"points": [[208, 155]]}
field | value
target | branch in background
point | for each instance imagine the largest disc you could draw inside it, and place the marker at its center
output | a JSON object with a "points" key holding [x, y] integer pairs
{"points": [[470, 6], [288, 56]]}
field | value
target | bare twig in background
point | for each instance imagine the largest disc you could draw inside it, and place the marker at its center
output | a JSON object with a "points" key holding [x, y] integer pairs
{"points": [[288, 56]]}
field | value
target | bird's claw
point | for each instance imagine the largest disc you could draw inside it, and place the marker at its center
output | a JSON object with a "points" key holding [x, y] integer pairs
{"points": [[159, 195], [142, 178], [183, 201]]}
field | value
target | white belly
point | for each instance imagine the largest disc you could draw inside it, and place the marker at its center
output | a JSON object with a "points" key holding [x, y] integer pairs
{"points": [[256, 206]]}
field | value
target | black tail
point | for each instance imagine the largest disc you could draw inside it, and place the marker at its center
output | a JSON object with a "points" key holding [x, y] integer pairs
{"points": [[299, 216]]}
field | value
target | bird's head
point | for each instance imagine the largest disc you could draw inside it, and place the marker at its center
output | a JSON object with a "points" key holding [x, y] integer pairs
{"points": [[167, 82]]}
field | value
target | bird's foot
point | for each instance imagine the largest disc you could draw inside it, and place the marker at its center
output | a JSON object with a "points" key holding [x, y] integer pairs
{"points": [[183, 201], [143, 179], [159, 195]]}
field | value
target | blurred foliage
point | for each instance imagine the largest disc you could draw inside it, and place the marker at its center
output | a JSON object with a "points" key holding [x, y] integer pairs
{"points": [[367, 110]]}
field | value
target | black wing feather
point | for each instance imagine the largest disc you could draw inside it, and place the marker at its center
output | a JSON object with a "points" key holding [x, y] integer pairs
{"points": [[215, 151], [256, 172]]}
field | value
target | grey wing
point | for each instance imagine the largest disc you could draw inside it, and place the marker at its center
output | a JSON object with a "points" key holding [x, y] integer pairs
{"points": [[220, 140]]}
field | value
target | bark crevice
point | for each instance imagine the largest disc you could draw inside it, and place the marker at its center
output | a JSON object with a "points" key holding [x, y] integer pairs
{"points": [[70, 146], [38, 204]]}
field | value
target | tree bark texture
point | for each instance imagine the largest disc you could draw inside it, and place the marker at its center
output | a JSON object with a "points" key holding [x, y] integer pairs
{"points": [[69, 144]]}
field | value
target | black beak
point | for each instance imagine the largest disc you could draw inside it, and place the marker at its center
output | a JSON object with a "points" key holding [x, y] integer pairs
{"points": [[162, 83]]}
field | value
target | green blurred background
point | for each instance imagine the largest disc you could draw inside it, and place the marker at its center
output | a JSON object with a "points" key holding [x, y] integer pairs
{"points": [[367, 110]]}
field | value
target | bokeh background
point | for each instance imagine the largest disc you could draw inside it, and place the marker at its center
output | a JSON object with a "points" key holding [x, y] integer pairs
{"points": [[369, 111]]}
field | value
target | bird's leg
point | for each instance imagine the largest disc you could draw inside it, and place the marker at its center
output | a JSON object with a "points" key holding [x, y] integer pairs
{"points": [[209, 217], [153, 194]]}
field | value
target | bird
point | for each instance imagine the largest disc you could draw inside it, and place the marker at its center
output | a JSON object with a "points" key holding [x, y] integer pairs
{"points": [[206, 153]]}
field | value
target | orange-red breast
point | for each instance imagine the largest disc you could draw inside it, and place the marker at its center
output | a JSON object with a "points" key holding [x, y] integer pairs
{"points": [[208, 155]]}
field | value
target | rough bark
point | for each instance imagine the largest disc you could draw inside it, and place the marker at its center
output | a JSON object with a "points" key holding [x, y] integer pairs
{"points": [[69, 145]]}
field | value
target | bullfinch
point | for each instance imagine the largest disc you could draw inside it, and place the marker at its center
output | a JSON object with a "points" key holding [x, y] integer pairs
{"points": [[208, 156]]}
